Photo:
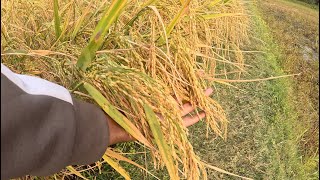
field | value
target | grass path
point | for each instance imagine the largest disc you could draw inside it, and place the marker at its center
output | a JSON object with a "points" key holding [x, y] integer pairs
{"points": [[295, 27]]}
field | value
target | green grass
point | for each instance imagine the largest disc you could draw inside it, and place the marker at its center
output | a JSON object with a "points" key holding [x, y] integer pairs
{"points": [[297, 34], [281, 133]]}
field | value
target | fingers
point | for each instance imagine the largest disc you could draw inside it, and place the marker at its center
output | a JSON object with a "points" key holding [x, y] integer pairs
{"points": [[208, 91], [190, 120], [187, 107]]}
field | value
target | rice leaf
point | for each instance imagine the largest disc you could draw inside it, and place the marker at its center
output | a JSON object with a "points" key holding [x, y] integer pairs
{"points": [[112, 13], [74, 171], [160, 141], [225, 172], [67, 19], [78, 24], [116, 115], [178, 16], [116, 166], [212, 16], [149, 2], [175, 20], [228, 84], [130, 23], [118, 156], [15, 51], [214, 2], [56, 18]]}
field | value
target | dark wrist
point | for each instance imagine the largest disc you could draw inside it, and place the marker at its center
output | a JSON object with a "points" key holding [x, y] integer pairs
{"points": [[116, 133]]}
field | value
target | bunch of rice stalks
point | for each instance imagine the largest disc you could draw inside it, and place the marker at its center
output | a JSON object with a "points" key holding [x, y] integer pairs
{"points": [[140, 58]]}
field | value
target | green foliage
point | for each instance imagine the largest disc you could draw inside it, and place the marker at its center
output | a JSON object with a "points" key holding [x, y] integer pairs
{"points": [[98, 36], [56, 19]]}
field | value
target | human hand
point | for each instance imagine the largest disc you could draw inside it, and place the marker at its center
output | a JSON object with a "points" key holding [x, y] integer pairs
{"points": [[117, 134]]}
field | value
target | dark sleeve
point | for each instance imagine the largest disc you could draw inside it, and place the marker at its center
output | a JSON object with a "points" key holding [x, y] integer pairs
{"points": [[44, 129]]}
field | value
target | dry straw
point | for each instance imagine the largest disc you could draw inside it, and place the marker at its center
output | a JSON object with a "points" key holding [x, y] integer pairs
{"points": [[134, 58]]}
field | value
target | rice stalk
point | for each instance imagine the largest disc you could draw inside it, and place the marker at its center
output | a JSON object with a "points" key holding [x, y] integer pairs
{"points": [[57, 19], [78, 24], [225, 172], [73, 171]]}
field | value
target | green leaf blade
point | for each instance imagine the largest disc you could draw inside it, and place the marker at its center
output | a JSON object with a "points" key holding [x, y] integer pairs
{"points": [[57, 24], [88, 53], [160, 141], [115, 165]]}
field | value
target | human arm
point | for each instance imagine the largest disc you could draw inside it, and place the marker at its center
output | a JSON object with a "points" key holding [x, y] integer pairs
{"points": [[44, 129]]}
